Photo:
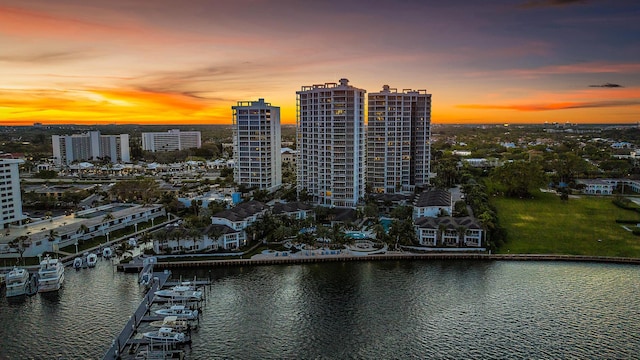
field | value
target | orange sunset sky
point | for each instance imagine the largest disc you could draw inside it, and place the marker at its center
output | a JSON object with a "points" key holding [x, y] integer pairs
{"points": [[188, 62]]}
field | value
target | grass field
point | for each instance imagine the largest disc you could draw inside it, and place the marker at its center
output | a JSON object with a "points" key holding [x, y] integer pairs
{"points": [[580, 226]]}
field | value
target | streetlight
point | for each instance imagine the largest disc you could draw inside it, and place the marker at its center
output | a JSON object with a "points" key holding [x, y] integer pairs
{"points": [[76, 247]]}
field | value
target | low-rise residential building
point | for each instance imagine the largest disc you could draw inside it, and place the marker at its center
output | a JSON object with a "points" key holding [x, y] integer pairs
{"points": [[449, 231], [433, 203], [240, 216], [295, 210], [53, 234], [597, 186]]}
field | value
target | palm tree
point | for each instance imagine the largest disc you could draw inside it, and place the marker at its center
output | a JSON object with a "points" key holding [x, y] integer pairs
{"points": [[82, 229], [462, 230], [441, 229], [52, 235], [107, 217], [19, 244]]}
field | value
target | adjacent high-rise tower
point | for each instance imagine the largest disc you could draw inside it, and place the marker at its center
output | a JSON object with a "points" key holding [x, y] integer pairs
{"points": [[398, 140], [256, 145], [10, 192], [330, 143]]}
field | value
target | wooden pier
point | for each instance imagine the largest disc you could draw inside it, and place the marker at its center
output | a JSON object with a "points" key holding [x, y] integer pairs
{"points": [[115, 351]]}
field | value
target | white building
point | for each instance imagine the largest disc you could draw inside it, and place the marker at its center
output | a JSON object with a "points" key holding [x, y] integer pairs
{"points": [[330, 143], [90, 146], [256, 145], [398, 140], [10, 198], [433, 203], [171, 140], [449, 232]]}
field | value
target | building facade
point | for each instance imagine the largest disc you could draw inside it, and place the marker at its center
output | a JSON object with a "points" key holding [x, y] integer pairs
{"points": [[398, 140], [330, 143], [171, 140], [90, 146], [256, 145], [10, 197]]}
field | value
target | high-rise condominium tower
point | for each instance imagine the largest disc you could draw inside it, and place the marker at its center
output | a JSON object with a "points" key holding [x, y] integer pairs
{"points": [[330, 143], [10, 196], [398, 140], [256, 145]]}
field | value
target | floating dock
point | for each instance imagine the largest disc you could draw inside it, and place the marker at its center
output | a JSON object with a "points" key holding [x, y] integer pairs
{"points": [[115, 351]]}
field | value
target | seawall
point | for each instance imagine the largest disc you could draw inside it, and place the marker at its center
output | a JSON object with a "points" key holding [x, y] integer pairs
{"points": [[394, 257]]}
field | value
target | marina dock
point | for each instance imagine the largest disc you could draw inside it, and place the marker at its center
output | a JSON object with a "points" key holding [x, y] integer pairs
{"points": [[130, 327]]}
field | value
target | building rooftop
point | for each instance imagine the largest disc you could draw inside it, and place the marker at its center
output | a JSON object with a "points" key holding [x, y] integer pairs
{"points": [[448, 221], [241, 211], [283, 208], [434, 197]]}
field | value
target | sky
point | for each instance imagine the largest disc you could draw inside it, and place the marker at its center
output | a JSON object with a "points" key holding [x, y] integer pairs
{"points": [[189, 61]]}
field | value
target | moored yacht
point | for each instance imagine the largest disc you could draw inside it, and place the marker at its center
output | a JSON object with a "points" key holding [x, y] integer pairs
{"points": [[174, 323], [50, 275], [181, 292], [17, 282], [180, 311], [166, 335]]}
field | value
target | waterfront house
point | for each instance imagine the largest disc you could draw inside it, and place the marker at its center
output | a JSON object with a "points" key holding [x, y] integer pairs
{"points": [[448, 231], [295, 210], [433, 203], [212, 238], [240, 216]]}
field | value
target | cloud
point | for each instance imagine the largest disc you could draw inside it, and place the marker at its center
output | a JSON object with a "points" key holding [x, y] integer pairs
{"points": [[579, 68], [45, 57], [550, 3], [607, 85], [552, 106]]}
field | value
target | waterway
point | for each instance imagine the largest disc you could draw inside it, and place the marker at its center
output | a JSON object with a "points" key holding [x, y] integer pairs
{"points": [[358, 310]]}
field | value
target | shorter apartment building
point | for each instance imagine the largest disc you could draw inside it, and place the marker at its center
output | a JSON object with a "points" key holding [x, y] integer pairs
{"points": [[171, 140], [90, 146]]}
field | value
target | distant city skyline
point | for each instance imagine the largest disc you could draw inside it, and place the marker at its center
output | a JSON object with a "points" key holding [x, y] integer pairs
{"points": [[169, 62]]}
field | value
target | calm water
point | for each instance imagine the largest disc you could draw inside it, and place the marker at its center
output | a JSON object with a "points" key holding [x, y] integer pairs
{"points": [[378, 310]]}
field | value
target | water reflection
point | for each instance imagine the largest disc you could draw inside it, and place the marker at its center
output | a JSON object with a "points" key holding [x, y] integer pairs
{"points": [[355, 310]]}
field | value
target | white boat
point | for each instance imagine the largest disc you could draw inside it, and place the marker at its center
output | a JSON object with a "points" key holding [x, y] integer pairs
{"points": [[165, 335], [107, 253], [179, 311], [17, 281], [92, 259], [173, 322], [77, 263], [181, 292], [50, 275]]}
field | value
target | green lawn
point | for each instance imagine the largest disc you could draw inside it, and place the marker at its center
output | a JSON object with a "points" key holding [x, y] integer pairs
{"points": [[547, 225]]}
